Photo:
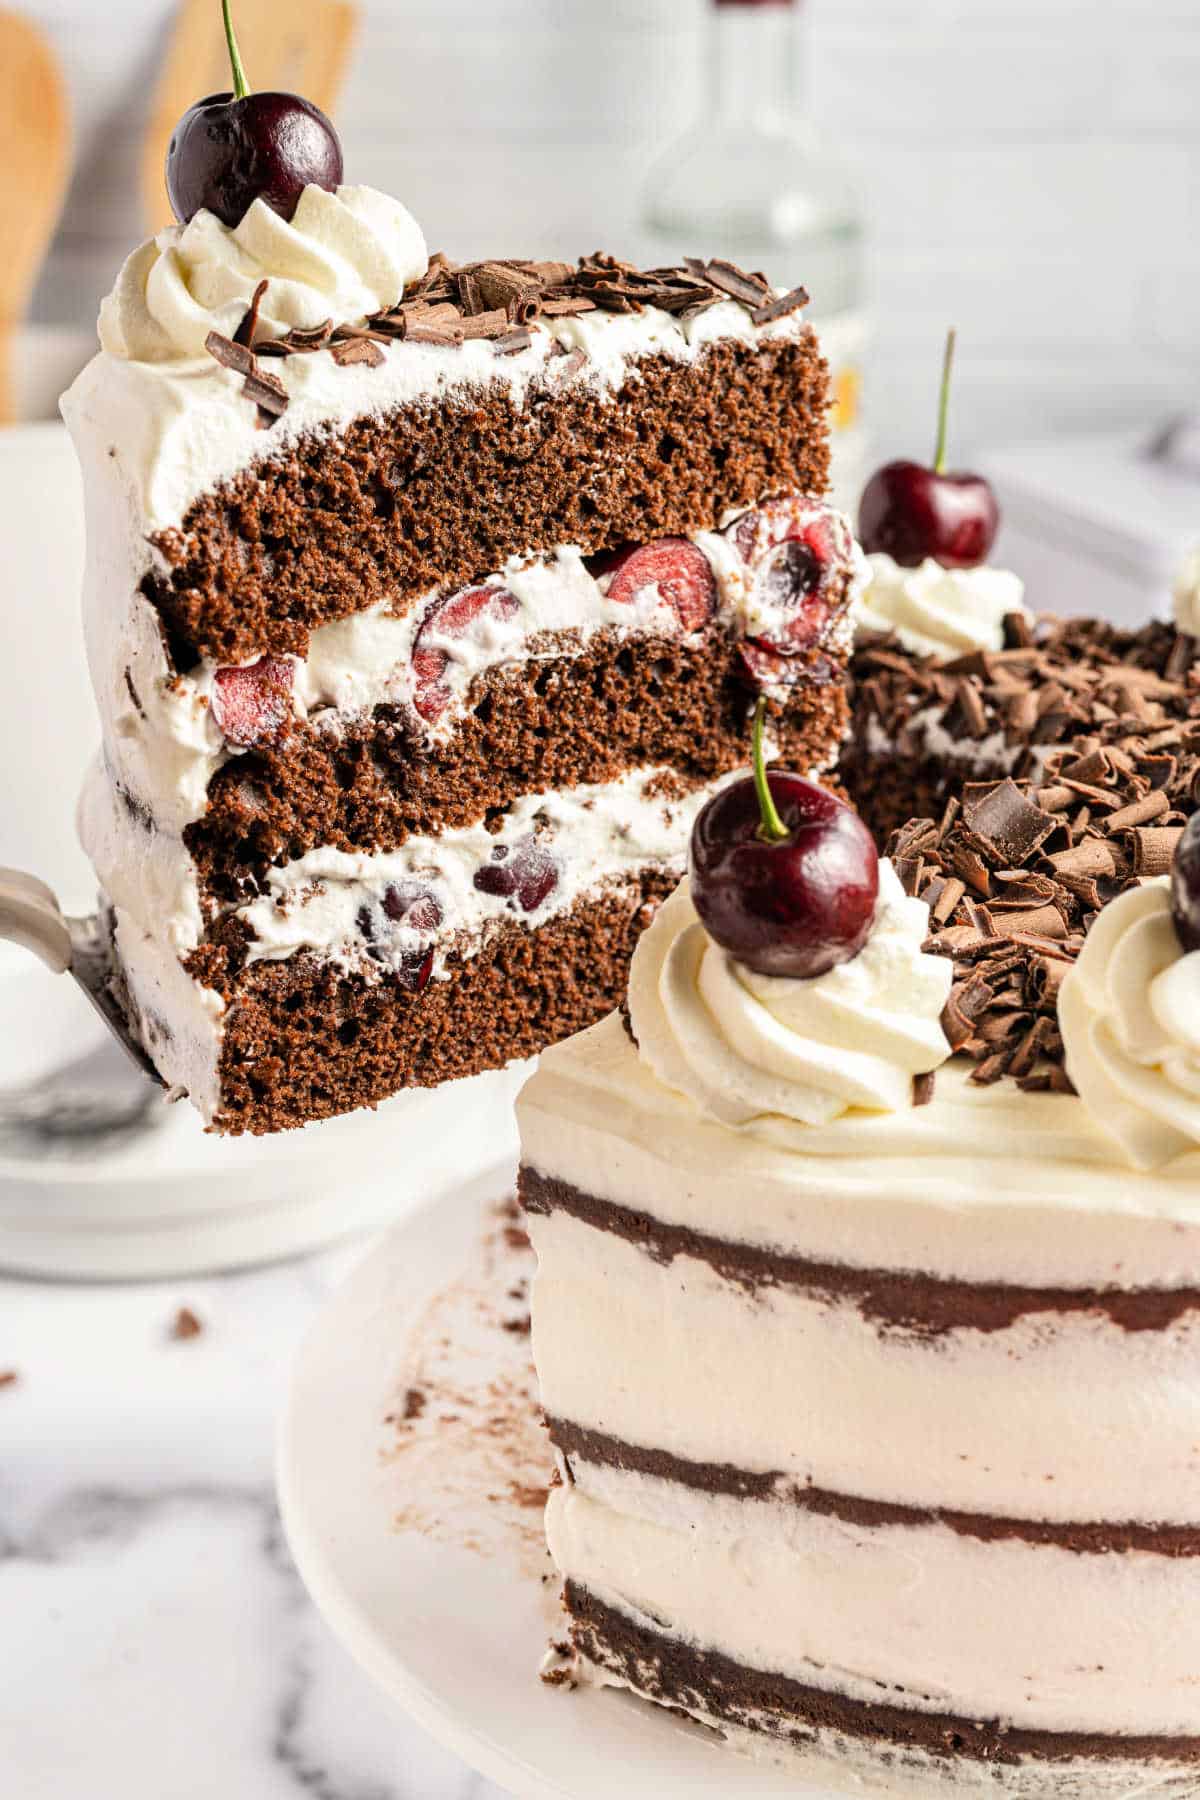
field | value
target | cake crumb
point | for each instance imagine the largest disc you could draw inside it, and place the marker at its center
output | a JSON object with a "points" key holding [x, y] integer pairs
{"points": [[185, 1325], [8, 1378]]}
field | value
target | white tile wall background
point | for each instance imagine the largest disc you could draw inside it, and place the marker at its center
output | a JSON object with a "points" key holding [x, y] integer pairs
{"points": [[1031, 169]]}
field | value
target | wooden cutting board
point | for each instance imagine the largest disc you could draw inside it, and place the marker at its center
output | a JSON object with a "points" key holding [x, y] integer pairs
{"points": [[293, 46], [35, 141]]}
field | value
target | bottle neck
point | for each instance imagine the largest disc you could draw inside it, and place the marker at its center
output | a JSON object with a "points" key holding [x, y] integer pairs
{"points": [[752, 61]]}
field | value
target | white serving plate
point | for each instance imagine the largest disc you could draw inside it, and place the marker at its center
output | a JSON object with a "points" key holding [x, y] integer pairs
{"points": [[439, 1591]]}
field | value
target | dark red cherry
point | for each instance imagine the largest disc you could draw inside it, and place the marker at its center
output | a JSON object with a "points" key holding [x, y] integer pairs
{"points": [[1185, 885], [675, 566], [230, 150], [524, 876], [791, 548], [453, 618], [227, 153], [783, 875], [911, 511], [252, 701]]}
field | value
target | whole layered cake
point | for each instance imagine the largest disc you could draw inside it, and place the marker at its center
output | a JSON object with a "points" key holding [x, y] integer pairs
{"points": [[869, 1277], [425, 606]]}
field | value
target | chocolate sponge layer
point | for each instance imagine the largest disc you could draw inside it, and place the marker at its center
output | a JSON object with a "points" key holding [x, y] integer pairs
{"points": [[430, 496]]}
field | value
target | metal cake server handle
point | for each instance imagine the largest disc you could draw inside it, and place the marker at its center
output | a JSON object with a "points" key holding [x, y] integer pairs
{"points": [[81, 947]]}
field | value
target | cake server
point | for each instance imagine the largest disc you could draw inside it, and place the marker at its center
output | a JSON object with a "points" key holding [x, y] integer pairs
{"points": [[80, 947]]}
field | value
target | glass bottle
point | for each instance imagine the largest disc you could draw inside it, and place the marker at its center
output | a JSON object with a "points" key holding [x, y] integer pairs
{"points": [[751, 181]]}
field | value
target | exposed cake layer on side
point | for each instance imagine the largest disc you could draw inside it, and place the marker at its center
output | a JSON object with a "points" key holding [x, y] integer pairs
{"points": [[878, 1746], [924, 726], [899, 1358]]}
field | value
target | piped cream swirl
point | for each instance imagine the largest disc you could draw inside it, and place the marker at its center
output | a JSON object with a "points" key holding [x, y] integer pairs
{"points": [[743, 1045], [342, 256], [1129, 1012], [1187, 595], [936, 611]]}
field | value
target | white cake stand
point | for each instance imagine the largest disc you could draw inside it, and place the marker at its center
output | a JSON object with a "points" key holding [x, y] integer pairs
{"points": [[426, 1560]]}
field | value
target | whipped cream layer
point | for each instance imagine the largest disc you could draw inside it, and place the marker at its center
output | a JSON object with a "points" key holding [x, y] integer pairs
{"points": [[1129, 1011], [163, 733], [940, 612], [1187, 595], [745, 1046], [1098, 1643]]}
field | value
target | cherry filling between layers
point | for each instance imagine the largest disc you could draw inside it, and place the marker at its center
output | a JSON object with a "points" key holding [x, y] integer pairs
{"points": [[405, 915], [780, 576]]}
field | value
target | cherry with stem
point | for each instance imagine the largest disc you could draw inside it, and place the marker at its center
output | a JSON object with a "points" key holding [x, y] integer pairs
{"points": [[783, 874], [913, 512], [232, 149]]}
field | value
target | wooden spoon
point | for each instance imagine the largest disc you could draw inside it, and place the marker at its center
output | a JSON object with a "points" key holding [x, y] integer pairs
{"points": [[297, 47], [34, 163]]}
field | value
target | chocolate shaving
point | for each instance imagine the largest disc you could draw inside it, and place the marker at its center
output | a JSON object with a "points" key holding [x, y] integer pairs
{"points": [[1139, 812], [922, 1088], [1046, 858], [752, 290], [783, 304], [1005, 821], [432, 334], [1154, 849], [268, 394], [496, 300], [229, 354], [347, 351], [486, 325], [249, 325], [567, 306]]}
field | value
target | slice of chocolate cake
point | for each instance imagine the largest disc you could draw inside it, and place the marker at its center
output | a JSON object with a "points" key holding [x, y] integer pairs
{"points": [[425, 606]]}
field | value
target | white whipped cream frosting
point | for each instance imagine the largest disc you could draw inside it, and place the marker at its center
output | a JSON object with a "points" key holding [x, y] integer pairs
{"points": [[1129, 1012], [1187, 595], [341, 256], [936, 611], [742, 1045]]}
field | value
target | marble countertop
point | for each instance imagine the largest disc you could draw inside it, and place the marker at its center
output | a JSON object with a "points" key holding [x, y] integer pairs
{"points": [[156, 1638]]}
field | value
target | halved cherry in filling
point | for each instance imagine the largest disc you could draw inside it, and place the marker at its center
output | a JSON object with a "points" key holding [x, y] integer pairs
{"points": [[675, 566], [454, 617], [254, 701], [410, 904], [526, 874], [794, 557]]}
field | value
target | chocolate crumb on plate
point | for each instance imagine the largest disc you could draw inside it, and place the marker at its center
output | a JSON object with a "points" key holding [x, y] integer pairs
{"points": [[185, 1325]]}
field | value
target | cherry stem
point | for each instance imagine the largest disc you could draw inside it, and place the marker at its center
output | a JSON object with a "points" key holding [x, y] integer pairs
{"points": [[772, 830], [241, 87], [939, 455]]}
